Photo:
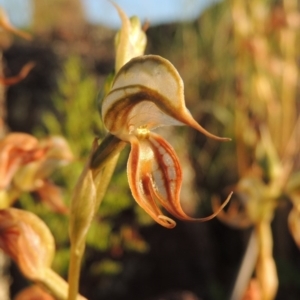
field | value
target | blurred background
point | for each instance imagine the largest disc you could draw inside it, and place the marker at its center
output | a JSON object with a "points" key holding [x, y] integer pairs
{"points": [[239, 61]]}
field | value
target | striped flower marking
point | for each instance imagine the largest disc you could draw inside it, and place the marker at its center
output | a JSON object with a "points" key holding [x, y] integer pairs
{"points": [[148, 93]]}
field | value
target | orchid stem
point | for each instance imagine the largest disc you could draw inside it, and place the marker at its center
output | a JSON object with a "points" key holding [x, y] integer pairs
{"points": [[101, 179], [77, 252], [105, 179], [246, 268], [57, 286]]}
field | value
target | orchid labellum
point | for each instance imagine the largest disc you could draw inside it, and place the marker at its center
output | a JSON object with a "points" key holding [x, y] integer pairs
{"points": [[147, 93]]}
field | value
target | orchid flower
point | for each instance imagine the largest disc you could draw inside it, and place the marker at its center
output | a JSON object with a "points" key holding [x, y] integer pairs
{"points": [[16, 150], [29, 242], [26, 164], [34, 176], [148, 93]]}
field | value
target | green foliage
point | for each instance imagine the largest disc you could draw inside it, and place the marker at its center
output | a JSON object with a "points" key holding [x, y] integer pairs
{"points": [[98, 236], [288, 273], [54, 221], [106, 267], [219, 75], [61, 261], [77, 117]]}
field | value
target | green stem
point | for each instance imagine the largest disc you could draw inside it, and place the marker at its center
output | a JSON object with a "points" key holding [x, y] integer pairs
{"points": [[57, 286], [77, 252], [103, 181], [8, 197], [109, 147], [246, 268], [266, 272], [101, 177]]}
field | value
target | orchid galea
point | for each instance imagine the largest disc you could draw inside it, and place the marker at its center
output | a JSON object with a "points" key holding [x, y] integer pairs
{"points": [[148, 93]]}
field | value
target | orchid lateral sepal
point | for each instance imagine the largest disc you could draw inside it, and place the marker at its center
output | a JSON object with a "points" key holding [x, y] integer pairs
{"points": [[236, 215], [155, 176], [109, 147]]}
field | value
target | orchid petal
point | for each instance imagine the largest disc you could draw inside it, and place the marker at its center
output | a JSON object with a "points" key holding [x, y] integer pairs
{"points": [[147, 92], [154, 174]]}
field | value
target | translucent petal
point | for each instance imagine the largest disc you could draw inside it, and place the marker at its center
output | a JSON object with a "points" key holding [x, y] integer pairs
{"points": [[134, 107], [139, 170], [168, 193], [155, 175]]}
